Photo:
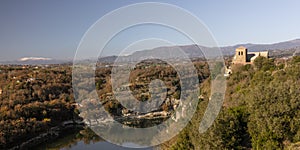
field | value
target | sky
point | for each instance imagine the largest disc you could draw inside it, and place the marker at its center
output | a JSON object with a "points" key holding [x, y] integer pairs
{"points": [[54, 28]]}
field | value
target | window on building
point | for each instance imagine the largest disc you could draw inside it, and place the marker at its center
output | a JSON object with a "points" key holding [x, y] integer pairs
{"points": [[241, 53]]}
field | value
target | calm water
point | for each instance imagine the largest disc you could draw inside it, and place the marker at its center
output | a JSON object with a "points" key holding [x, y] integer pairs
{"points": [[81, 139], [99, 145]]}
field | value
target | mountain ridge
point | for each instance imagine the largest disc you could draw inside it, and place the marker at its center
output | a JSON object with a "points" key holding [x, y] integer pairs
{"points": [[192, 51]]}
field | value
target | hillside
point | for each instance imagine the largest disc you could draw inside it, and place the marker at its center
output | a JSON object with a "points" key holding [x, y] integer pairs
{"points": [[260, 111]]}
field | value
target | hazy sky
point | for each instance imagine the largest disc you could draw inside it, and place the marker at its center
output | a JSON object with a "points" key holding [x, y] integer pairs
{"points": [[54, 28]]}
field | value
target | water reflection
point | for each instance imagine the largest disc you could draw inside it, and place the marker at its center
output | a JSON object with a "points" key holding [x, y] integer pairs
{"points": [[81, 139]]}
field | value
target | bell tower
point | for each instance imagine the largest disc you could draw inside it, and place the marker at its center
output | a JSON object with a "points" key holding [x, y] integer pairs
{"points": [[241, 55]]}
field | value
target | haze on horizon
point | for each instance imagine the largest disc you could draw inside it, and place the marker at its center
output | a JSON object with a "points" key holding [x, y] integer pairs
{"points": [[54, 28]]}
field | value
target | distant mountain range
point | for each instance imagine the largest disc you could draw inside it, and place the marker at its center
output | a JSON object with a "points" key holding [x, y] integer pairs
{"points": [[192, 51], [229, 50], [35, 61]]}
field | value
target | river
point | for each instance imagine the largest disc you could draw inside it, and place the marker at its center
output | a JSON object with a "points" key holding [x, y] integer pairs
{"points": [[81, 139]]}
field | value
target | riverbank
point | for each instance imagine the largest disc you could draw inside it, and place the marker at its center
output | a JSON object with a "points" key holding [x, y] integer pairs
{"points": [[131, 119], [51, 134], [55, 132]]}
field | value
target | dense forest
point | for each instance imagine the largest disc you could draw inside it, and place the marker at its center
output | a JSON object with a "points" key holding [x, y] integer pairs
{"points": [[32, 100], [260, 111]]}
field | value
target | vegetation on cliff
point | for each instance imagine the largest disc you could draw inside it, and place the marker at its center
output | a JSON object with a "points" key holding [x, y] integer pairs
{"points": [[261, 110]]}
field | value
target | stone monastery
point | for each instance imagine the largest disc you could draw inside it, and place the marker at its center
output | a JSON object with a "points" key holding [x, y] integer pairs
{"points": [[242, 56]]}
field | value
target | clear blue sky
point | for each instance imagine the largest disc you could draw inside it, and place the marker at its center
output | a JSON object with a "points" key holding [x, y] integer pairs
{"points": [[54, 28]]}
